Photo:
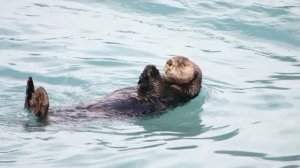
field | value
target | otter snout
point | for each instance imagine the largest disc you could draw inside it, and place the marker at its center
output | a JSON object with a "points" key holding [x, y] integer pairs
{"points": [[168, 66]]}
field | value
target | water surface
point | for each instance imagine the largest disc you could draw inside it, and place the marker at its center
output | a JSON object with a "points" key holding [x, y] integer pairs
{"points": [[247, 114]]}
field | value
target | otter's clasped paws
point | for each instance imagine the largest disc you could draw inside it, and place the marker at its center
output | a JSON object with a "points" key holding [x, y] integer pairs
{"points": [[145, 83], [151, 84]]}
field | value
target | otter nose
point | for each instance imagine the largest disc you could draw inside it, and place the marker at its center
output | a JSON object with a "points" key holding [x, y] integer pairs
{"points": [[169, 62]]}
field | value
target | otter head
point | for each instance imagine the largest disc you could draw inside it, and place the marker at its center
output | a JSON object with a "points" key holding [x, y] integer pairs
{"points": [[180, 70], [184, 76], [39, 103]]}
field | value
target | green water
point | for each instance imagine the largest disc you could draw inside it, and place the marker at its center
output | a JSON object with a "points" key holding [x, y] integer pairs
{"points": [[247, 114]]}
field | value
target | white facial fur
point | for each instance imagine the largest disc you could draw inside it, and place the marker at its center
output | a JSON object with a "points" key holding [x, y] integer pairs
{"points": [[180, 69]]}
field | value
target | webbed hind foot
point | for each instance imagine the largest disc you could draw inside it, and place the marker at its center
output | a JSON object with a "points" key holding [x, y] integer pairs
{"points": [[36, 100]]}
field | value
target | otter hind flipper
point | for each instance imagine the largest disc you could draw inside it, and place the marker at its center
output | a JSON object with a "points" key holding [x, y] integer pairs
{"points": [[39, 103], [36, 100], [29, 92]]}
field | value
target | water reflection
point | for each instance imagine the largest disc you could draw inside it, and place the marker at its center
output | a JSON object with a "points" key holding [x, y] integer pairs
{"points": [[32, 124], [186, 121]]}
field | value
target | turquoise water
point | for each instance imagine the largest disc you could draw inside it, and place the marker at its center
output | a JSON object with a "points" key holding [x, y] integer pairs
{"points": [[247, 114]]}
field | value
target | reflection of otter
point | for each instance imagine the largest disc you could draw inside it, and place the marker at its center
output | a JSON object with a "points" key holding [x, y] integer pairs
{"points": [[154, 93]]}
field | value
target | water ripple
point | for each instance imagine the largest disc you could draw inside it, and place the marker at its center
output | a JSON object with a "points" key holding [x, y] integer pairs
{"points": [[55, 80], [150, 7], [80, 50], [259, 155]]}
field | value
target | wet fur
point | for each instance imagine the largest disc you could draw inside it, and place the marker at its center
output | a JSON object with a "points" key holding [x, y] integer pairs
{"points": [[154, 93], [36, 100], [183, 77]]}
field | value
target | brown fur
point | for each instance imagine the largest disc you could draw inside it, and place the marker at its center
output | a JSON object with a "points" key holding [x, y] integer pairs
{"points": [[183, 76], [154, 93], [39, 102]]}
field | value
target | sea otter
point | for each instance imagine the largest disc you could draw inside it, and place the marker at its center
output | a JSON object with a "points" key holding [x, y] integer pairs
{"points": [[154, 93]]}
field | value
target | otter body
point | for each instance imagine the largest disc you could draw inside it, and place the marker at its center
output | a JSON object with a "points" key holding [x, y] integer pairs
{"points": [[123, 103], [154, 93], [127, 102]]}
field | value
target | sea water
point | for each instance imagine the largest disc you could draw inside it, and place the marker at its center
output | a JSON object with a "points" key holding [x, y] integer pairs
{"points": [[248, 112]]}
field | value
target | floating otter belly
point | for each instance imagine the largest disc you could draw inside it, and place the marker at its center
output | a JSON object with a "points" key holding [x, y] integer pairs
{"points": [[123, 103], [126, 102], [154, 93]]}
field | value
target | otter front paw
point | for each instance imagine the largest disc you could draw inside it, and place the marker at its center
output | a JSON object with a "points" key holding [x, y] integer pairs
{"points": [[145, 83]]}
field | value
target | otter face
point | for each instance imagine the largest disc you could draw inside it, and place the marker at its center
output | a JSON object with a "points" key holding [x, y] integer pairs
{"points": [[180, 70]]}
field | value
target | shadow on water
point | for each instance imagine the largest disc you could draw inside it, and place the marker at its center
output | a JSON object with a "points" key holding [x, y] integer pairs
{"points": [[181, 122]]}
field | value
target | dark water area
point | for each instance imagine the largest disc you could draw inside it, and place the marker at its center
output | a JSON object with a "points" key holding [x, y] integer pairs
{"points": [[247, 114]]}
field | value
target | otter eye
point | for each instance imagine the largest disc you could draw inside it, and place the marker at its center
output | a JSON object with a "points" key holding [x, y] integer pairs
{"points": [[169, 62]]}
